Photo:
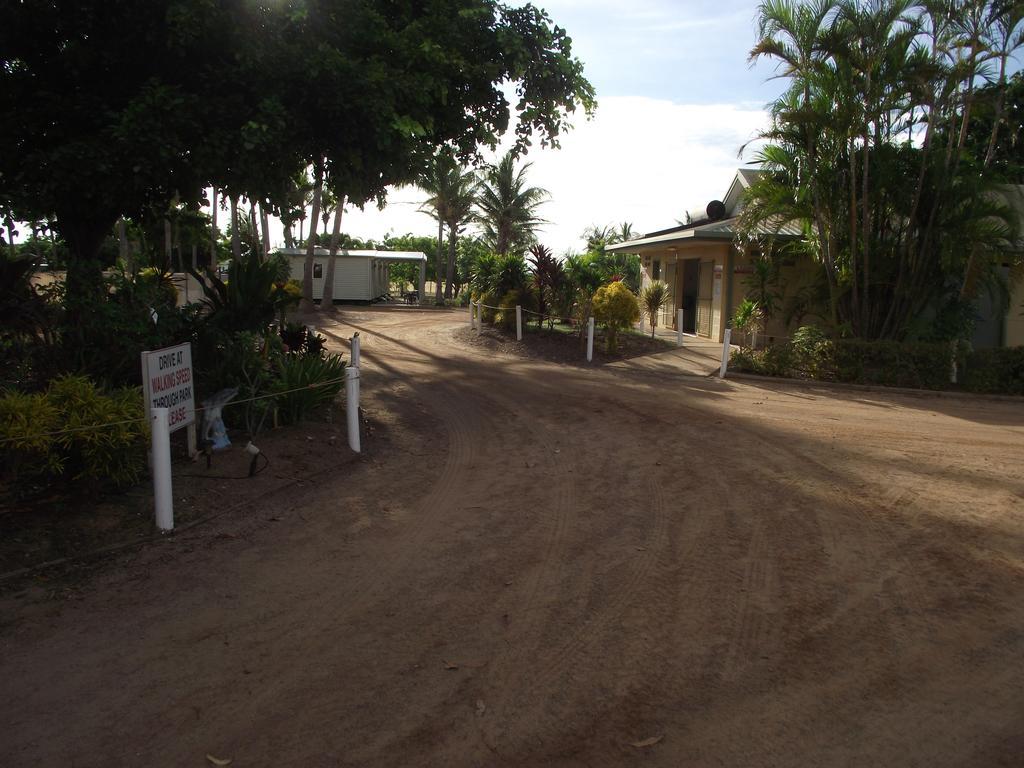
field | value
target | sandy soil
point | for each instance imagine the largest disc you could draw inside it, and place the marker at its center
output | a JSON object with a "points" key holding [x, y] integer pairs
{"points": [[547, 565]]}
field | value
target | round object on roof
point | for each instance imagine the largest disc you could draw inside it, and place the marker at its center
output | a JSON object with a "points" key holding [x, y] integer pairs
{"points": [[715, 210]]}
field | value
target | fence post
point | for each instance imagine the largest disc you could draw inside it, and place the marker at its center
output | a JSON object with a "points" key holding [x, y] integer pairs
{"points": [[355, 349], [163, 499], [352, 407], [679, 327], [471, 323], [479, 317], [725, 353], [519, 323], [953, 365], [590, 340]]}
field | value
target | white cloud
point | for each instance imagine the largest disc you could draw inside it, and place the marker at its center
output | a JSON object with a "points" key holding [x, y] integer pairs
{"points": [[640, 160]]}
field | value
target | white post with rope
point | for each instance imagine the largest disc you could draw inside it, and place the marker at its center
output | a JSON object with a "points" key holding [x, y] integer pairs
{"points": [[352, 407], [479, 317], [590, 340], [725, 353], [163, 499], [679, 327], [519, 323], [355, 349], [471, 323]]}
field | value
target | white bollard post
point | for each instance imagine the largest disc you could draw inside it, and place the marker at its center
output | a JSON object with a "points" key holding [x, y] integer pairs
{"points": [[519, 323], [725, 353], [679, 327], [355, 349], [590, 340], [352, 407], [471, 323], [163, 500]]}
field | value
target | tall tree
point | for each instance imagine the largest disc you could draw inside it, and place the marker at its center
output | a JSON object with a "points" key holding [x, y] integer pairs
{"points": [[869, 152], [111, 124], [508, 206], [452, 190], [327, 302]]}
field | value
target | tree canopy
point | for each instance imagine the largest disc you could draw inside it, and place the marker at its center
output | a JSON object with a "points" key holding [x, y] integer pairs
{"points": [[128, 104], [875, 152]]}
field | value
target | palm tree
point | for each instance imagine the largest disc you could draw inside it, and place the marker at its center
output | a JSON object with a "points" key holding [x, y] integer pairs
{"points": [[452, 190], [653, 299], [508, 207]]}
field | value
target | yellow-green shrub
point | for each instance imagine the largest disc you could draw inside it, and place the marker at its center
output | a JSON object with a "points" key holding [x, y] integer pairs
{"points": [[101, 435], [615, 306]]}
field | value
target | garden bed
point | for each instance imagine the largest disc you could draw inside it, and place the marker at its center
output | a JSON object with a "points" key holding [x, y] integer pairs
{"points": [[560, 344], [62, 524]]}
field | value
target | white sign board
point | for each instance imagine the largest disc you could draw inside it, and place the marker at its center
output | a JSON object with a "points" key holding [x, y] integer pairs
{"points": [[167, 382]]}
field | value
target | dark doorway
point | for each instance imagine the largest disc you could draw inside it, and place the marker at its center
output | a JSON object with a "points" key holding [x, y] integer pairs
{"points": [[690, 269]]}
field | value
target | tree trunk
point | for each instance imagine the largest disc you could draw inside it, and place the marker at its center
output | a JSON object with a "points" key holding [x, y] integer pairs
{"points": [[83, 240], [265, 221], [307, 304], [289, 238], [256, 245], [302, 220], [168, 244], [439, 263], [327, 302], [452, 240], [213, 230], [236, 244], [190, 270], [122, 244]]}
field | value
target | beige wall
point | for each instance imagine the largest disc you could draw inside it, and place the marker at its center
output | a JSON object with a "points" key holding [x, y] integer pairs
{"points": [[718, 253]]}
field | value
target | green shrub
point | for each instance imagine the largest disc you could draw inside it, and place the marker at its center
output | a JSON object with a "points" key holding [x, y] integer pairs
{"points": [[812, 353], [616, 307], [893, 364], [487, 301], [307, 374], [995, 371], [506, 315], [104, 442]]}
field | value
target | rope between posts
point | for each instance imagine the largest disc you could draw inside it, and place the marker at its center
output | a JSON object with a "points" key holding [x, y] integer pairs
{"points": [[550, 317], [91, 427]]}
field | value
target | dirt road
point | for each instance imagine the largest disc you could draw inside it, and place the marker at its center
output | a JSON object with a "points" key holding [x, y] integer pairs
{"points": [[551, 564]]}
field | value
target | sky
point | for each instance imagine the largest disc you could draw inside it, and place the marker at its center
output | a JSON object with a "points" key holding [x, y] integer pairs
{"points": [[676, 102]]}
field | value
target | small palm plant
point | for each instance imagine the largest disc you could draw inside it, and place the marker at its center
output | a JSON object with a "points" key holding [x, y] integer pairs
{"points": [[653, 298], [749, 317]]}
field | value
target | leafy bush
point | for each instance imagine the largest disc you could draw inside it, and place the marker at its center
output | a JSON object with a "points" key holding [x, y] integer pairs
{"points": [[995, 370], [308, 375], [106, 437], [100, 334], [894, 364], [506, 316], [255, 291], [616, 307], [812, 353], [487, 301]]}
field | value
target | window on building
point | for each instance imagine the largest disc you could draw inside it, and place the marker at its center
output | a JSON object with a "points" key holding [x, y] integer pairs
{"points": [[657, 269], [318, 270]]}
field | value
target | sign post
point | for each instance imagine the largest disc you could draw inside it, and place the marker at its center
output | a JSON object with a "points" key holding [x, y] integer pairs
{"points": [[168, 381]]}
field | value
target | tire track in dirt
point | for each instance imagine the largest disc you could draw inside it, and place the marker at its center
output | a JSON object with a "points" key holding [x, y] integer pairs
{"points": [[752, 632]]}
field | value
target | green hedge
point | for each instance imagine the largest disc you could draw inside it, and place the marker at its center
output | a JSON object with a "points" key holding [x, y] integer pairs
{"points": [[916, 365], [995, 370], [892, 363]]}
